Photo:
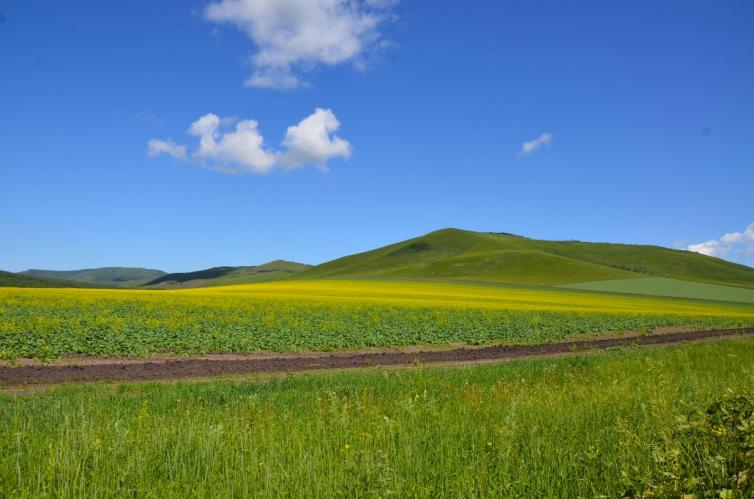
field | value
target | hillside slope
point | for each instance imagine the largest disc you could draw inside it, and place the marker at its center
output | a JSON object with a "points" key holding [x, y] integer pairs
{"points": [[225, 276], [656, 261], [104, 276], [504, 258], [11, 279]]}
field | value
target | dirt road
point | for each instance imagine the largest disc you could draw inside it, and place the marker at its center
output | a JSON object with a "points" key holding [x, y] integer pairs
{"points": [[218, 365]]}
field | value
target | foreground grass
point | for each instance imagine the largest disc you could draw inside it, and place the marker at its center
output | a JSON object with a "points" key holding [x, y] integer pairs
{"points": [[566, 427], [325, 315]]}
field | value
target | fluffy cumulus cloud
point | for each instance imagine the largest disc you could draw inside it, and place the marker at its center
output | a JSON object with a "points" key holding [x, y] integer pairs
{"points": [[232, 145], [236, 146], [733, 245], [295, 35], [529, 147], [313, 141]]}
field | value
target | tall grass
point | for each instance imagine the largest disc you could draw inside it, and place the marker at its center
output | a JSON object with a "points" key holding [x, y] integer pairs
{"points": [[565, 427]]}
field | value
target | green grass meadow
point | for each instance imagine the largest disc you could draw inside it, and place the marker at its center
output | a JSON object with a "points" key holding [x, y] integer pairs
{"points": [[577, 426]]}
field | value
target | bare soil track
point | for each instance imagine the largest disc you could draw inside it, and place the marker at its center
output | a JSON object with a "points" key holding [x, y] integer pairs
{"points": [[207, 367]]}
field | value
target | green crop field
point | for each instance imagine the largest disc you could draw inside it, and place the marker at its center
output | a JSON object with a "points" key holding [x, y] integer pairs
{"points": [[662, 286], [325, 315], [583, 426]]}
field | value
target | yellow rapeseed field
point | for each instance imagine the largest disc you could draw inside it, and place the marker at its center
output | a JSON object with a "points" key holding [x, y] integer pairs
{"points": [[423, 294], [326, 315]]}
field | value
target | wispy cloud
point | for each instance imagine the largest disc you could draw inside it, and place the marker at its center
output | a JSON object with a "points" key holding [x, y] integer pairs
{"points": [[733, 245], [296, 35], [156, 147], [231, 145], [529, 147], [149, 118]]}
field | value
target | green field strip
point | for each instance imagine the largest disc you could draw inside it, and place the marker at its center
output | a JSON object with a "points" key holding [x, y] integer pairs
{"points": [[662, 286]]}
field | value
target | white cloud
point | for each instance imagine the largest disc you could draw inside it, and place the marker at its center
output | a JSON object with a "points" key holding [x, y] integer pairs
{"points": [[295, 35], [241, 149], [709, 248], [529, 147], [313, 141], [732, 237], [156, 147], [734, 245], [236, 146]]}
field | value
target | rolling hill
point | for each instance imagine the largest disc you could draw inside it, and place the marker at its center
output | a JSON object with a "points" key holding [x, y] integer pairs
{"points": [[505, 258], [11, 279], [460, 255], [224, 276], [106, 276]]}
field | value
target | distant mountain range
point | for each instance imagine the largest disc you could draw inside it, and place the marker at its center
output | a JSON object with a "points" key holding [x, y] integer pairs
{"points": [[221, 276], [21, 280], [126, 277], [460, 255]]}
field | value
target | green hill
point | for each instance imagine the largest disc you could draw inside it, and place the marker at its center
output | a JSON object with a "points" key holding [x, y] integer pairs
{"points": [[9, 279], [506, 258], [224, 276], [656, 261], [105, 276]]}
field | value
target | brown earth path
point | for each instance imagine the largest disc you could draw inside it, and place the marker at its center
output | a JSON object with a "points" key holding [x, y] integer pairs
{"points": [[173, 368]]}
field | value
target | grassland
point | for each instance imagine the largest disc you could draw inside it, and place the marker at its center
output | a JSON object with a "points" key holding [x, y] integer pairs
{"points": [[662, 286], [582, 426], [325, 315]]}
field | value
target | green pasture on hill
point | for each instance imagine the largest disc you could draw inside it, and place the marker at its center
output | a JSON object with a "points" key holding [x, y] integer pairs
{"points": [[448, 254], [505, 258]]}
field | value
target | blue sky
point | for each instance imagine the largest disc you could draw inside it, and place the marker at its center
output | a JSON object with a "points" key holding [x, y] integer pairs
{"points": [[424, 110]]}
